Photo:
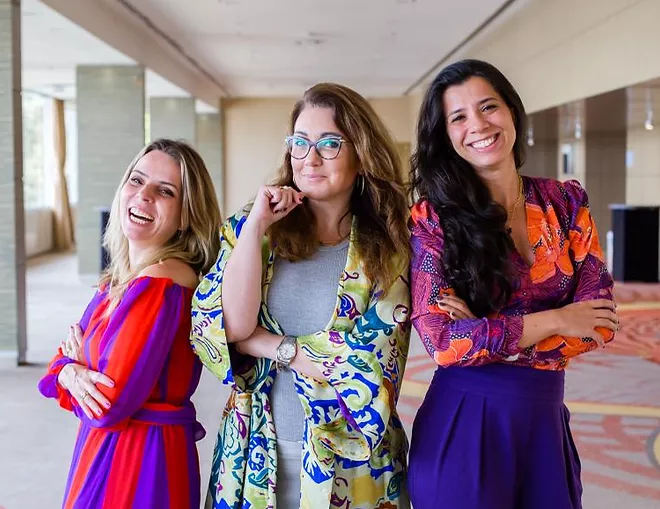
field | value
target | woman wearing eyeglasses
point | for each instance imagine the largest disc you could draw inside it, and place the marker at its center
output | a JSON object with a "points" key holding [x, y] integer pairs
{"points": [[305, 314]]}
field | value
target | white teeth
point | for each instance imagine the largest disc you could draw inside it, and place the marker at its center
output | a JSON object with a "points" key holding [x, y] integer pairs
{"points": [[484, 143], [139, 216], [135, 219]]}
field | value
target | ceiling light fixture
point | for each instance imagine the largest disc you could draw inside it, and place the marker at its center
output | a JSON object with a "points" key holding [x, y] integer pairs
{"points": [[648, 125]]}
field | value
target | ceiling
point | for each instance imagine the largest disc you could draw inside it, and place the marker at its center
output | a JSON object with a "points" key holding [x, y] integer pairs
{"points": [[52, 46], [279, 48], [263, 47]]}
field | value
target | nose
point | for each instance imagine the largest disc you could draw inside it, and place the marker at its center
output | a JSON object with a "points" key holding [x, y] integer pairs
{"points": [[313, 158], [478, 123], [146, 194]]}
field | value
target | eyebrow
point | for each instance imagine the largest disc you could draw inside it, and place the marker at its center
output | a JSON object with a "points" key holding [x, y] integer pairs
{"points": [[323, 135], [480, 103], [165, 182]]}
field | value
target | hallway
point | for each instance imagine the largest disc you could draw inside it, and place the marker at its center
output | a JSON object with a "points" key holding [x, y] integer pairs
{"points": [[614, 396]]}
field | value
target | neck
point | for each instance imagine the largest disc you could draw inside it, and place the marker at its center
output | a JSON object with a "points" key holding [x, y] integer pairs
{"points": [[503, 183], [333, 222], [139, 255]]}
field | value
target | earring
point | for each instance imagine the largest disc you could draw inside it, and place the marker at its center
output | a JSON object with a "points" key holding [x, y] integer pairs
{"points": [[361, 184]]}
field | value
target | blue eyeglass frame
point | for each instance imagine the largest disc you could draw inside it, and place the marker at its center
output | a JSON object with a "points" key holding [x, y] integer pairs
{"points": [[315, 144]]}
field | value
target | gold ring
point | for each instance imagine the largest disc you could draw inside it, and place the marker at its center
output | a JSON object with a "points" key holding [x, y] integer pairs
{"points": [[84, 396]]}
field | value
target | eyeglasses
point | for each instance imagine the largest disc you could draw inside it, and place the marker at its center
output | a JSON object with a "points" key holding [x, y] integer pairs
{"points": [[327, 148]]}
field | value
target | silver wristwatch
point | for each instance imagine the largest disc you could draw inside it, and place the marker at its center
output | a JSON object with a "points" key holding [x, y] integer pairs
{"points": [[286, 352]]}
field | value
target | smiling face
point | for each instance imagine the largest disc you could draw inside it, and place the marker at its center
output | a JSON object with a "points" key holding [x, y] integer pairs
{"points": [[323, 179], [150, 201], [480, 125]]}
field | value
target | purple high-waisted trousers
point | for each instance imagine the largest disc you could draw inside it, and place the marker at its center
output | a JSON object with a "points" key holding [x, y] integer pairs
{"points": [[494, 437]]}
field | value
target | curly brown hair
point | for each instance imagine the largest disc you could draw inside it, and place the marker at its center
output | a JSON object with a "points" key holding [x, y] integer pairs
{"points": [[381, 209]]}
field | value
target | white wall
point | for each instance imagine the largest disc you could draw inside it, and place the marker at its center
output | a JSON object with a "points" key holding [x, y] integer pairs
{"points": [[643, 169], [557, 51], [38, 231]]}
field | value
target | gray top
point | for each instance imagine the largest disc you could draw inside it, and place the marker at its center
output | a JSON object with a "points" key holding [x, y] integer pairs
{"points": [[302, 297]]}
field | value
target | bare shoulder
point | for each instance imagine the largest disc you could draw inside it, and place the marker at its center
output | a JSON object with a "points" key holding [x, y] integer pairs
{"points": [[176, 270]]}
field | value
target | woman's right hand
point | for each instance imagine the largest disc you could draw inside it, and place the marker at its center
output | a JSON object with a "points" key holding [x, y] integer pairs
{"points": [[580, 319], [81, 384], [272, 203]]}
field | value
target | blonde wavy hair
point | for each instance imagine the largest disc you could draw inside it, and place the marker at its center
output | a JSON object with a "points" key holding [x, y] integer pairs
{"points": [[381, 209], [196, 244]]}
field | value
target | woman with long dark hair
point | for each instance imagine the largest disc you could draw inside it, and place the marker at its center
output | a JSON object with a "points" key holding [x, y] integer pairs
{"points": [[508, 282]]}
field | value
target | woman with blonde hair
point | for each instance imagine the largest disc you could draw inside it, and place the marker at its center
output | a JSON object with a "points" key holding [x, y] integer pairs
{"points": [[305, 315], [127, 370]]}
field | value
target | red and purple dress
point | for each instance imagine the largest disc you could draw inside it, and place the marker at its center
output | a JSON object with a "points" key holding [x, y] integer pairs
{"points": [[141, 452], [493, 430]]}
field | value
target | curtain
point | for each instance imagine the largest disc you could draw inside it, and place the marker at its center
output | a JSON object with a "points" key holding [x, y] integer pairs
{"points": [[63, 227]]}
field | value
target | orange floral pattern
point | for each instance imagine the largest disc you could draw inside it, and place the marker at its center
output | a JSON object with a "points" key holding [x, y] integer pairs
{"points": [[568, 267], [549, 245]]}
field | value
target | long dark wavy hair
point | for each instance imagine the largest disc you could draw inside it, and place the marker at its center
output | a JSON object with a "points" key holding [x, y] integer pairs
{"points": [[477, 247]]}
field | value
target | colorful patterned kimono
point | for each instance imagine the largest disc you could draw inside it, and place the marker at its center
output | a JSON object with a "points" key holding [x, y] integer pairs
{"points": [[568, 267], [354, 446], [141, 452]]}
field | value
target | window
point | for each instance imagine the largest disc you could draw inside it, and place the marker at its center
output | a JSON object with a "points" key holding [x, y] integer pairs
{"points": [[34, 174], [71, 166]]}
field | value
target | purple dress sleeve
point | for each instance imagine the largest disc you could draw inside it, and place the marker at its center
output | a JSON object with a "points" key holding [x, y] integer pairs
{"points": [[48, 385]]}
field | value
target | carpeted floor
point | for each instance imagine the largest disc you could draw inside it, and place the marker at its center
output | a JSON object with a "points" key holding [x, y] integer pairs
{"points": [[614, 396]]}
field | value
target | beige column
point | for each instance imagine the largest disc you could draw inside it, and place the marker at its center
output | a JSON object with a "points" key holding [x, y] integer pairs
{"points": [[542, 139], [13, 338], [605, 135], [110, 113], [172, 117], [210, 145]]}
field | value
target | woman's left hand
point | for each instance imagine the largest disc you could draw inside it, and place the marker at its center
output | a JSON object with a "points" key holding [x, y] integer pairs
{"points": [[72, 347], [455, 307], [81, 382]]}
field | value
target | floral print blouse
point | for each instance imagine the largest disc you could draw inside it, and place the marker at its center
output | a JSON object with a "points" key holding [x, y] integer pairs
{"points": [[568, 267], [354, 446]]}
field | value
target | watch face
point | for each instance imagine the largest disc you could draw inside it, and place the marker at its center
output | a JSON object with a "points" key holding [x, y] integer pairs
{"points": [[287, 350]]}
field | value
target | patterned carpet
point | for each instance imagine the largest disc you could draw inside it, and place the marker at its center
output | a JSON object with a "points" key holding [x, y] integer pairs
{"points": [[614, 396]]}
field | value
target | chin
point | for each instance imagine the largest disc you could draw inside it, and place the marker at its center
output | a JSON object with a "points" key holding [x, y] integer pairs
{"points": [[134, 235], [487, 162], [314, 192]]}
